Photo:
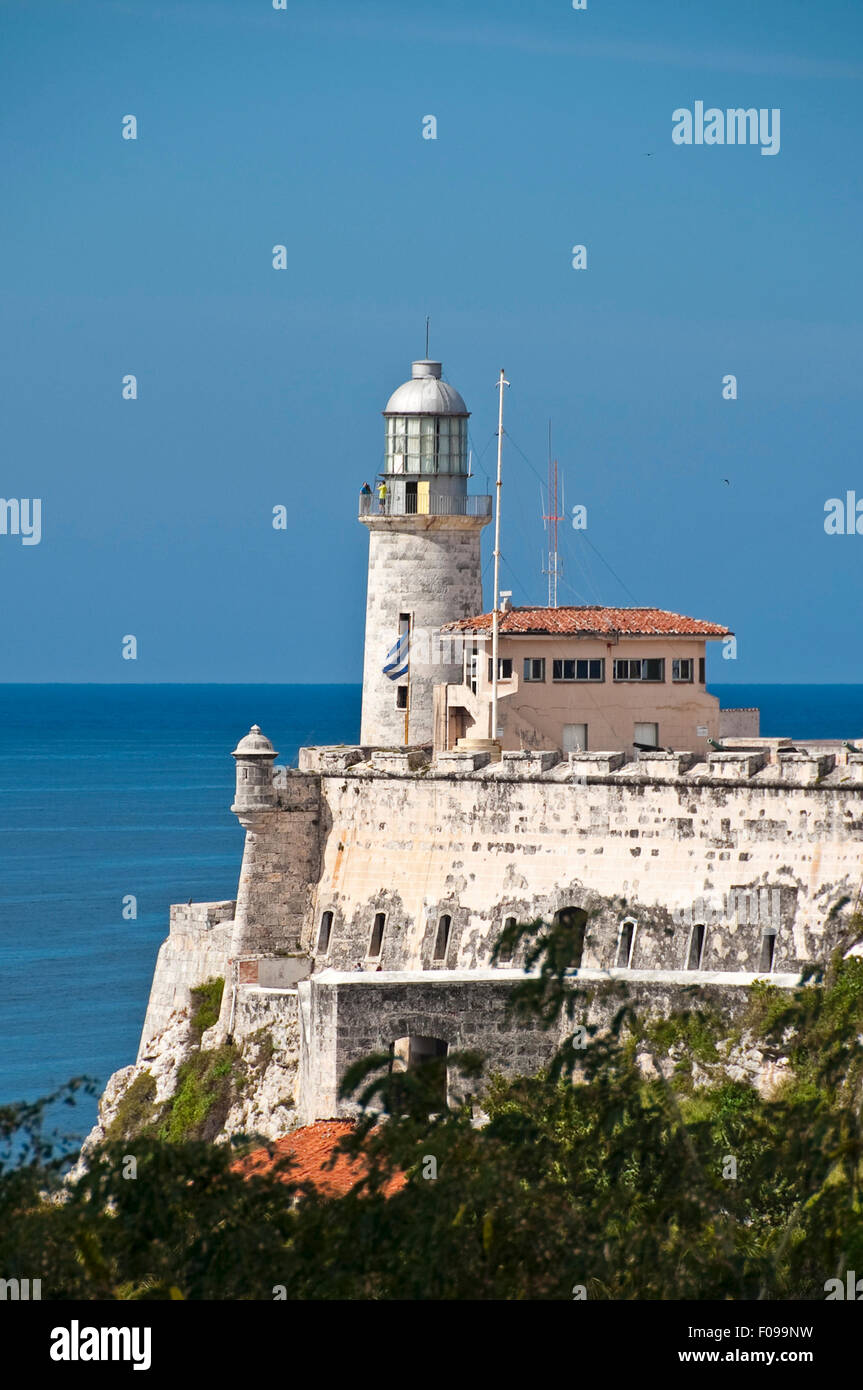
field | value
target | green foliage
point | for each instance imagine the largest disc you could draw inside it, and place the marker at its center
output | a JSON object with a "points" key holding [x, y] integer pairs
{"points": [[594, 1172], [202, 1096], [766, 1009], [136, 1113], [696, 1032], [206, 1004]]}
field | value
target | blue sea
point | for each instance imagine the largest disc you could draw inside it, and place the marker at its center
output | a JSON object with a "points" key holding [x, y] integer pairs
{"points": [[109, 790]]}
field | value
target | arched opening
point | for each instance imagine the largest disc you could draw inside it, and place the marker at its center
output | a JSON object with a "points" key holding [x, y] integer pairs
{"points": [[569, 943], [427, 1057]]}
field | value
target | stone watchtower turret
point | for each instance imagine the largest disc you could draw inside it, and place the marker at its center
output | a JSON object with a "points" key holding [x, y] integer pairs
{"points": [[424, 558], [255, 792]]}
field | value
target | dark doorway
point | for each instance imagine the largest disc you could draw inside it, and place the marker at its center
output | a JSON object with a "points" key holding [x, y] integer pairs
{"points": [[569, 944], [427, 1058], [768, 950]]}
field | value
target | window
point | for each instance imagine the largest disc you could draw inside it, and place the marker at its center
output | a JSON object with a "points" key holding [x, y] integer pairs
{"points": [[377, 940], [505, 953], [574, 738], [441, 940], [401, 697], [471, 667], [325, 933], [696, 947], [651, 668], [681, 670], [701, 669], [578, 670], [625, 942], [768, 950], [648, 734], [504, 668], [534, 668], [426, 444]]}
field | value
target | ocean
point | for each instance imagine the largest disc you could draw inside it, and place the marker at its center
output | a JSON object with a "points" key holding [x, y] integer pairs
{"points": [[108, 791]]}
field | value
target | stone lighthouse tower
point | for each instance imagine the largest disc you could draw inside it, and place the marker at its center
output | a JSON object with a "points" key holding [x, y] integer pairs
{"points": [[424, 558]]}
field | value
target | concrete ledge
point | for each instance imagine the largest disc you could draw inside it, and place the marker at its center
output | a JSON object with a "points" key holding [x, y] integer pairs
{"points": [[665, 767], [804, 768], [595, 764], [770, 746], [383, 978], [453, 760], [260, 991], [393, 761], [331, 759], [530, 761], [733, 764]]}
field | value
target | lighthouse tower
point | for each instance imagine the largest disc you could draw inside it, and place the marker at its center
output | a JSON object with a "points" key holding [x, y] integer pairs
{"points": [[424, 558]]}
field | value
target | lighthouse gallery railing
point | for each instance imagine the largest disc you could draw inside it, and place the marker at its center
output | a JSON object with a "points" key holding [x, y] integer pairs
{"points": [[411, 505]]}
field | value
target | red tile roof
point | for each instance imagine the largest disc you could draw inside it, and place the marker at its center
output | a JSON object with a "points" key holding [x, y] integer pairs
{"points": [[311, 1149], [628, 622]]}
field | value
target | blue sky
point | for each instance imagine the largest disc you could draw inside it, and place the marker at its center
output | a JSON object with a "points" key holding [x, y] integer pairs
{"points": [[260, 387]]}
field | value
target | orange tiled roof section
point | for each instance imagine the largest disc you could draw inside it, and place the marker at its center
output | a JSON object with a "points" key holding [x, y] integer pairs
{"points": [[591, 621], [311, 1148]]}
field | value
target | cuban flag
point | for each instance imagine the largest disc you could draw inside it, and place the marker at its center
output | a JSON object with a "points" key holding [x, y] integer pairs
{"points": [[396, 664]]}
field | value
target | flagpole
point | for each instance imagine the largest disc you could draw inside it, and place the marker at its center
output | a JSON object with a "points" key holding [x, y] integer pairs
{"points": [[495, 622]]}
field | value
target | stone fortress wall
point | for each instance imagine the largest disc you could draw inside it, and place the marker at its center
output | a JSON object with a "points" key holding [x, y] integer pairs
{"points": [[746, 843]]}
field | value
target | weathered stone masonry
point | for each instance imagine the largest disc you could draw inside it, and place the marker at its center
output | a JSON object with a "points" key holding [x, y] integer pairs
{"points": [[358, 834]]}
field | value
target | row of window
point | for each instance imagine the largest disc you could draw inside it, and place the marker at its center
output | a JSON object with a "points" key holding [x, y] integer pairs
{"points": [[592, 669], [376, 940], [695, 947], [622, 959]]}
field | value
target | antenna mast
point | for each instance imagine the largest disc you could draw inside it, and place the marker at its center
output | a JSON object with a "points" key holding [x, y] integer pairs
{"points": [[495, 622], [554, 566]]}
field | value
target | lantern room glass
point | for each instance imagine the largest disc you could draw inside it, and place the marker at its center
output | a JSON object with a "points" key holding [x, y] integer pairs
{"points": [[426, 444]]}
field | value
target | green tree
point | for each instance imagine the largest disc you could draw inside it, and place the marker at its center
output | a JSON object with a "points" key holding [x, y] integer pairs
{"points": [[633, 1167]]}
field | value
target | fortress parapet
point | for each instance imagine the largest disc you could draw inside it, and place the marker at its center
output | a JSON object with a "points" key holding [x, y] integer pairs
{"points": [[332, 760], [777, 763]]}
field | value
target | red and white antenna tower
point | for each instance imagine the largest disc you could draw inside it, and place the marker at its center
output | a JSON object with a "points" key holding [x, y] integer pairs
{"points": [[552, 520]]}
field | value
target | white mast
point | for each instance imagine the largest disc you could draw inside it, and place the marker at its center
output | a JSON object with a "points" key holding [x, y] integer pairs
{"points": [[495, 622]]}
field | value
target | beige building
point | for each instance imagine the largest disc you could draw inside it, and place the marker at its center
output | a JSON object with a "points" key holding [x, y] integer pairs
{"points": [[583, 678]]}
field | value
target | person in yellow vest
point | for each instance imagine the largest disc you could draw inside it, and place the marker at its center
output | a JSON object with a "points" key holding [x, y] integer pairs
{"points": [[382, 495]]}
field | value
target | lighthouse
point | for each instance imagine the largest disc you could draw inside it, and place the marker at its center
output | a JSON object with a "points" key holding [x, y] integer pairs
{"points": [[424, 558]]}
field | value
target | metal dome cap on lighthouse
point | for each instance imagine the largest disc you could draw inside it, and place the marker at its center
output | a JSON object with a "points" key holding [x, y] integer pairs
{"points": [[426, 394]]}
